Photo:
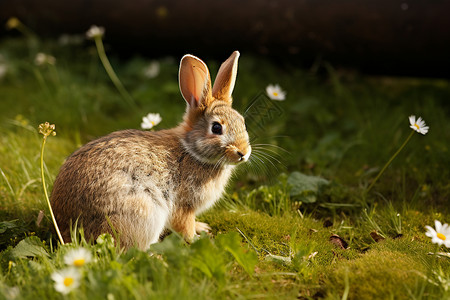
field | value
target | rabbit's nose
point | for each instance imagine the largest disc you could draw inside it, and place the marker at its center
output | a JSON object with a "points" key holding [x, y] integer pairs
{"points": [[241, 156]]}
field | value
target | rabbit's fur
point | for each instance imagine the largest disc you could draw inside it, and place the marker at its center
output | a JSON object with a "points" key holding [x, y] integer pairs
{"points": [[137, 183]]}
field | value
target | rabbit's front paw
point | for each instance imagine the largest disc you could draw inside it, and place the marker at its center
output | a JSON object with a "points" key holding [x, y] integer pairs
{"points": [[202, 227]]}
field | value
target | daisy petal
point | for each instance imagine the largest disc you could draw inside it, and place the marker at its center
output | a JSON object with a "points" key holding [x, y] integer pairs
{"points": [[437, 225], [430, 231]]}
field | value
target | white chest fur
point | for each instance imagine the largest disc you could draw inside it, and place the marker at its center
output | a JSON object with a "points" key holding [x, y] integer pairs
{"points": [[213, 189]]}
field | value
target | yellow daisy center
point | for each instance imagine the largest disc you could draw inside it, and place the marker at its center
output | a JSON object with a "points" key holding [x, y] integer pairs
{"points": [[275, 93], [417, 126], [78, 262], [153, 123], [441, 236], [68, 281]]}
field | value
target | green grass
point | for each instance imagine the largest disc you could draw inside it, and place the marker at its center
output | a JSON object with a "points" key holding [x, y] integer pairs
{"points": [[269, 239]]}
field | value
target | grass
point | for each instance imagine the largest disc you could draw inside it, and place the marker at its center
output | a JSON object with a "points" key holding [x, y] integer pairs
{"points": [[271, 233]]}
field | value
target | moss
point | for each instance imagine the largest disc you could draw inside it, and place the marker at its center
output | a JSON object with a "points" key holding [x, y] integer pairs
{"points": [[377, 274], [267, 233]]}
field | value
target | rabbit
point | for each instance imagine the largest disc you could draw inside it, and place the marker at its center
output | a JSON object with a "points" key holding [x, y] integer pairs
{"points": [[136, 184]]}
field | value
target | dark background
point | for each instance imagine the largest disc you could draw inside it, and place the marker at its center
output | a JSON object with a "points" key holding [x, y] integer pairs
{"points": [[390, 37]]}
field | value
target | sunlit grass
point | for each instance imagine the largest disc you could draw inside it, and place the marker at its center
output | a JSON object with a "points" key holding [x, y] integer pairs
{"points": [[333, 127]]}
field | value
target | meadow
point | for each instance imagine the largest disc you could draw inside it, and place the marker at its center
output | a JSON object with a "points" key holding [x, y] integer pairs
{"points": [[300, 221]]}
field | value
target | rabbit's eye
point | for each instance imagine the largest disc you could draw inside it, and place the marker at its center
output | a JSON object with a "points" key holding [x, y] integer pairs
{"points": [[216, 128]]}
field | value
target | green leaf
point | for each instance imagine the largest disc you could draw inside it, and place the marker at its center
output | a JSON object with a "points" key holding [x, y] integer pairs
{"points": [[29, 247], [5, 225], [171, 244], [174, 249], [306, 187], [208, 259], [10, 230], [231, 242]]}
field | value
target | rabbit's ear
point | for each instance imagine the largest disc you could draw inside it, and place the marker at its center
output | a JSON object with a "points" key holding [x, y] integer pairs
{"points": [[226, 77], [194, 80]]}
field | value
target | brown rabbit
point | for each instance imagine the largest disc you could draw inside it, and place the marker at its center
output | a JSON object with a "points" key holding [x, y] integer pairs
{"points": [[140, 182]]}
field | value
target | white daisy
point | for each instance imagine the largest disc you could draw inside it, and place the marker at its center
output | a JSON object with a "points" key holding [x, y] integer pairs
{"points": [[275, 92], [418, 125], [44, 59], [95, 31], [152, 70], [66, 280], [441, 235], [78, 257], [150, 120]]}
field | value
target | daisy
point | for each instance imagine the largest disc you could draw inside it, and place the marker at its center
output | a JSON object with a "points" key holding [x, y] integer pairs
{"points": [[66, 280], [275, 92], [95, 32], [150, 120], [441, 235], [43, 59], [152, 70], [418, 125], [78, 257]]}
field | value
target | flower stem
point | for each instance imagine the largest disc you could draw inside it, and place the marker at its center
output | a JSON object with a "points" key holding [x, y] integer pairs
{"points": [[389, 162], [109, 69], [46, 194], [26, 31]]}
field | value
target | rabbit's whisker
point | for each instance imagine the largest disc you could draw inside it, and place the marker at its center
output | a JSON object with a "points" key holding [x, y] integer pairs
{"points": [[268, 156], [259, 165], [273, 146]]}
